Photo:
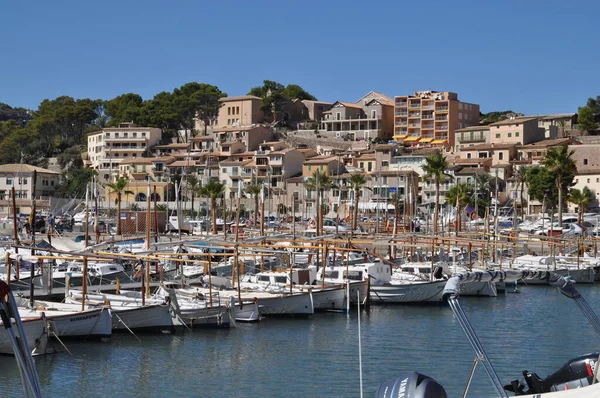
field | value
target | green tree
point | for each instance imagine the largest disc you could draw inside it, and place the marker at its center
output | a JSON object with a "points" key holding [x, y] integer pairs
{"points": [[521, 180], [18, 115], [255, 191], [540, 183], [458, 196], [320, 182], [119, 187], [74, 181], [193, 184], [212, 190], [294, 91], [587, 120], [356, 183], [196, 100], [161, 112], [124, 108], [559, 161], [581, 199], [435, 169]]}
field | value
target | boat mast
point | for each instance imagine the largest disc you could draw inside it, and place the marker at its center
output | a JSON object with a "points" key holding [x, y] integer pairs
{"points": [[32, 224]]}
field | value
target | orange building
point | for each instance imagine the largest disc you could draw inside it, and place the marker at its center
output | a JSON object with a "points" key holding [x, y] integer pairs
{"points": [[432, 117]]}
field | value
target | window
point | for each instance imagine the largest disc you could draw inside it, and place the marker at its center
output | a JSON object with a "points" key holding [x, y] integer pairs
{"points": [[362, 165], [229, 110], [517, 134], [309, 168], [585, 162], [9, 181], [237, 110], [460, 115], [321, 167], [234, 171], [588, 180], [468, 156], [497, 135], [500, 155], [509, 135], [370, 166]]}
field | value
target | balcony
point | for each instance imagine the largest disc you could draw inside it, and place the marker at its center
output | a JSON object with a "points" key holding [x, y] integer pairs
{"points": [[125, 139], [414, 105], [414, 115], [445, 117], [414, 125], [401, 103], [428, 107], [427, 126], [441, 127], [468, 139], [401, 113], [125, 148], [427, 116], [441, 108], [401, 123]]}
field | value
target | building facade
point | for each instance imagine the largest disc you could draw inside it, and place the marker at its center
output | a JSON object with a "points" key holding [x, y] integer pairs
{"points": [[432, 117], [109, 146]]}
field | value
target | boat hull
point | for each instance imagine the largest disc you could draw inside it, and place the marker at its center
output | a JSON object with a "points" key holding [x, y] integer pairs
{"points": [[329, 299], [271, 304], [156, 317], [35, 333], [404, 293], [93, 323]]}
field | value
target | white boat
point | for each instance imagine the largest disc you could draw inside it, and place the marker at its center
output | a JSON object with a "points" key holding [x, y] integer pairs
{"points": [[92, 323], [328, 297], [407, 292], [129, 312], [282, 304], [576, 378], [582, 273], [36, 334], [357, 275], [246, 311]]}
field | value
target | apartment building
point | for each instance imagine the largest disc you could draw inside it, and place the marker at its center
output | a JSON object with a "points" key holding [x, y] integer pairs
{"points": [[557, 125], [520, 130], [469, 136], [432, 117], [109, 146], [251, 136], [372, 116], [330, 165]]}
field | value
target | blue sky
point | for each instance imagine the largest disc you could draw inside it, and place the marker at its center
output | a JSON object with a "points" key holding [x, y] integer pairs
{"points": [[531, 56]]}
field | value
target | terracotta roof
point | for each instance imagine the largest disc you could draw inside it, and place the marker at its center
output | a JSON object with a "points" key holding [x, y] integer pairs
{"points": [[513, 121], [136, 161], [426, 151], [240, 98], [473, 128], [165, 159], [348, 104], [23, 168], [552, 142], [470, 171], [554, 116], [230, 163], [233, 129], [183, 163], [320, 159], [366, 156], [484, 147], [173, 145]]}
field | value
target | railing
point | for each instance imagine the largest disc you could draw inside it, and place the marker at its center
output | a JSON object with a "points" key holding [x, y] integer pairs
{"points": [[427, 126], [414, 105], [427, 116], [401, 103], [114, 148], [414, 115], [441, 108], [441, 118], [401, 123], [472, 139], [401, 113], [428, 107], [414, 125], [441, 127]]}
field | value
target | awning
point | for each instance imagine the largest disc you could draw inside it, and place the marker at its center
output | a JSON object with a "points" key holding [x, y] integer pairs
{"points": [[439, 142], [412, 139], [399, 137], [426, 140]]}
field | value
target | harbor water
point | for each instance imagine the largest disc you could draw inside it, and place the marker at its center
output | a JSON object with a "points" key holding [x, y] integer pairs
{"points": [[537, 329]]}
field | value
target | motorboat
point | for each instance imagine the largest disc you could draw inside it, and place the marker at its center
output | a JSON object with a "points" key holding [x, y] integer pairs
{"points": [[576, 378]]}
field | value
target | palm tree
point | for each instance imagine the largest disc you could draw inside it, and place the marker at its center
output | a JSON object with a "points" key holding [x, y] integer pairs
{"points": [[193, 184], [559, 160], [459, 196], [562, 126], [581, 199], [119, 188], [435, 169], [255, 190], [521, 178], [356, 183], [319, 182], [395, 198], [213, 190]]}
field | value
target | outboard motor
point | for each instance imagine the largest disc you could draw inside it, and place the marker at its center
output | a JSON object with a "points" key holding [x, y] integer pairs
{"points": [[411, 385], [578, 372]]}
